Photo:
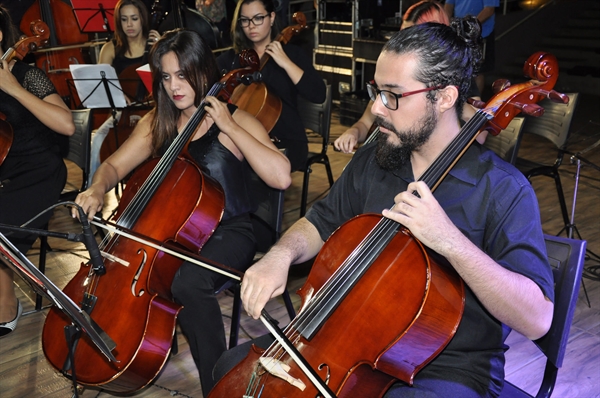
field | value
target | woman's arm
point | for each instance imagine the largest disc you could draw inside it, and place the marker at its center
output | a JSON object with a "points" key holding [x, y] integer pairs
{"points": [[252, 143], [107, 53], [275, 50], [51, 111], [135, 150]]}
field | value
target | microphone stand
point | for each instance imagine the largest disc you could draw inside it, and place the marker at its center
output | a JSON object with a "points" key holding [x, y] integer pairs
{"points": [[80, 319], [576, 159], [70, 236]]}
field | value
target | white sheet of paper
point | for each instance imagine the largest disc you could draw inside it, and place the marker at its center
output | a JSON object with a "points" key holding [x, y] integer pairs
{"points": [[91, 89]]}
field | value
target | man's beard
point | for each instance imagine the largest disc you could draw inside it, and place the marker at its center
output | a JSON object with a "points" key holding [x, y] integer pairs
{"points": [[393, 157]]}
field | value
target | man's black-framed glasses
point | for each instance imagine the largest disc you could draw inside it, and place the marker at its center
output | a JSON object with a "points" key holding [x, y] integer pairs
{"points": [[389, 99], [256, 20]]}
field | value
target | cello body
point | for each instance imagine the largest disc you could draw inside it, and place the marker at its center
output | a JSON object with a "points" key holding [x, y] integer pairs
{"points": [[64, 30], [413, 307], [134, 304]]}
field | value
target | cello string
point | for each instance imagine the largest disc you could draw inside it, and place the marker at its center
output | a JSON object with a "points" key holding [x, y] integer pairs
{"points": [[140, 200], [148, 188], [385, 227]]}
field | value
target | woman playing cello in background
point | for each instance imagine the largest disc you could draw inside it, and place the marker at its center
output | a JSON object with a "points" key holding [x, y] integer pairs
{"points": [[183, 69], [132, 34], [125, 52], [289, 73], [33, 173]]}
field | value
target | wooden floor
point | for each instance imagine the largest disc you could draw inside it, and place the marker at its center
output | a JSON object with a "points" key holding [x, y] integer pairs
{"points": [[24, 371]]}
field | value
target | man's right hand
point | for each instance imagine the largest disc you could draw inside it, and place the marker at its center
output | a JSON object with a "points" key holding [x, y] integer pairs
{"points": [[262, 281]]}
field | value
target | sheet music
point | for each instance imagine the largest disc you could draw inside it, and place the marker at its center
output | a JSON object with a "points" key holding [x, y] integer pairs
{"points": [[90, 88]]}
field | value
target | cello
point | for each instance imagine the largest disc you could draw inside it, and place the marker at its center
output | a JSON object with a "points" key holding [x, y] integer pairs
{"points": [[138, 277], [255, 98], [64, 30], [19, 50], [367, 270]]}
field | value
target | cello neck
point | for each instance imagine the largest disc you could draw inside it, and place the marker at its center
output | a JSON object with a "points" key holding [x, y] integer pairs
{"points": [[48, 18], [436, 172]]}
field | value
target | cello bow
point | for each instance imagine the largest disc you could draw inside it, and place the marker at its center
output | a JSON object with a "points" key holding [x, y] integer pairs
{"points": [[355, 275]]}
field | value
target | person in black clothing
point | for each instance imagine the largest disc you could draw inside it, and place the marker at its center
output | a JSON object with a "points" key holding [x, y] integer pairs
{"points": [[288, 73], [183, 70], [33, 173], [132, 34]]}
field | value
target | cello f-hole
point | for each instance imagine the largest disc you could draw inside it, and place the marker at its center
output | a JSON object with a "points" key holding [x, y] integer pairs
{"points": [[138, 273]]}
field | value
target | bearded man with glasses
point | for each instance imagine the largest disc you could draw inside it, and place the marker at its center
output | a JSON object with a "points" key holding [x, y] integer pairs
{"points": [[483, 217]]}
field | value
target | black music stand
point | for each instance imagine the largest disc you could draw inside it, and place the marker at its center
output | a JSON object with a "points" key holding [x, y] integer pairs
{"points": [[95, 16], [99, 87]]}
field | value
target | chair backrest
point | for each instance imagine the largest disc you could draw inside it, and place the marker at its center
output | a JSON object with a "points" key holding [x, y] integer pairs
{"points": [[267, 219], [566, 258], [79, 146], [506, 144], [555, 123], [317, 117]]}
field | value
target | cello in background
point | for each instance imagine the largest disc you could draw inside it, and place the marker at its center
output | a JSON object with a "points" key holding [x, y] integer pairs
{"points": [[377, 305], [64, 30], [255, 98], [40, 33]]}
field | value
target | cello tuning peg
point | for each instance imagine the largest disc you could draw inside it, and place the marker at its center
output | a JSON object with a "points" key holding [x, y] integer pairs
{"points": [[530, 109], [499, 85], [555, 96], [476, 103]]}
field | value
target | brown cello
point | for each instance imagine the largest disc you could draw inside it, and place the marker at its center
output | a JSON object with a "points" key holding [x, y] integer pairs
{"points": [[39, 37], [377, 306], [64, 31], [255, 98], [138, 277]]}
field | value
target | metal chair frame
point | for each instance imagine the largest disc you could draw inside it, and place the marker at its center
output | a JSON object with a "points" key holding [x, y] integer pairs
{"points": [[317, 118], [507, 143], [566, 257]]}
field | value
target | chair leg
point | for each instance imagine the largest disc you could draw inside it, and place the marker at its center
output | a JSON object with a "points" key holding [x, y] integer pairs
{"points": [[174, 344], [303, 202], [562, 203], [328, 169], [235, 316]]}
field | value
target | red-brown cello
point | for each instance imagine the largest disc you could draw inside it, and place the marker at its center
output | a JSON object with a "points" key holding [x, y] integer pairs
{"points": [[378, 307], [40, 34], [64, 30], [138, 277]]}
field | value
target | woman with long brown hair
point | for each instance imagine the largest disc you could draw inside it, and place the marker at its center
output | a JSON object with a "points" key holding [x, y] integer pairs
{"points": [[183, 70]]}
